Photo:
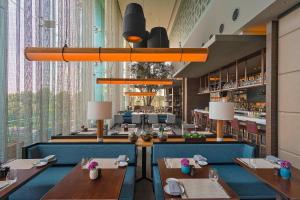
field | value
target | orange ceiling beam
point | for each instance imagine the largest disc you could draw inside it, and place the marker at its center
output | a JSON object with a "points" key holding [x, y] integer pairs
{"points": [[125, 81], [134, 94], [117, 54]]}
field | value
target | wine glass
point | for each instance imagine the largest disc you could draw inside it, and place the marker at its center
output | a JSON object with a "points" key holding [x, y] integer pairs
{"points": [[213, 175], [11, 175]]}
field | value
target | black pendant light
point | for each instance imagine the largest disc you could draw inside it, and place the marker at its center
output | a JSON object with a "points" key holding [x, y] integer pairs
{"points": [[134, 25], [142, 44], [158, 38]]}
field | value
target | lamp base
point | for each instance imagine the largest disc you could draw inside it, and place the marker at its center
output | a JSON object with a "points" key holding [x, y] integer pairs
{"points": [[220, 139], [99, 139]]}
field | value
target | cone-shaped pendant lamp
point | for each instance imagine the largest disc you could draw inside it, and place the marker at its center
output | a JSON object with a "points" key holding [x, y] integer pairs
{"points": [[143, 43], [134, 24], [158, 38]]}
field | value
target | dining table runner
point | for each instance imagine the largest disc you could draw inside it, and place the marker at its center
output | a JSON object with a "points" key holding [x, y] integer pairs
{"points": [[21, 163], [104, 163], [202, 188], [258, 163], [175, 162]]}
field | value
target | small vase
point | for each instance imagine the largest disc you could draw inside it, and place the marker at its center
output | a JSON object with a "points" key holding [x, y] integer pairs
{"points": [[185, 169], [93, 174], [285, 173]]}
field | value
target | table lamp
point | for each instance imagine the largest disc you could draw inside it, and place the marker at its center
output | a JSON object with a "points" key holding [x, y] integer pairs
{"points": [[99, 111], [221, 111]]}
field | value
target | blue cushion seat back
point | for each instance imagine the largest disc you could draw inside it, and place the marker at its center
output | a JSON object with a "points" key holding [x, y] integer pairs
{"points": [[215, 153], [162, 118], [73, 153]]}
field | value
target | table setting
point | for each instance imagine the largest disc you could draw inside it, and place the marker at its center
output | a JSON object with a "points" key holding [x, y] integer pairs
{"points": [[94, 165]]}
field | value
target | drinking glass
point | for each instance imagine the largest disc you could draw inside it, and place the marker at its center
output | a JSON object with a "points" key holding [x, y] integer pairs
{"points": [[11, 175], [213, 175], [83, 162]]}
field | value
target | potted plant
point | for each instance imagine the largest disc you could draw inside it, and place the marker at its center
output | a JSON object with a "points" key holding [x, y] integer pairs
{"points": [[133, 137], [161, 135], [194, 137], [185, 166], [285, 169], [92, 166], [146, 136]]}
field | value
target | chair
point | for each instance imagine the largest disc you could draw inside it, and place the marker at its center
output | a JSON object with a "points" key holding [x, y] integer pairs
{"points": [[152, 119], [118, 119], [136, 119], [171, 119]]}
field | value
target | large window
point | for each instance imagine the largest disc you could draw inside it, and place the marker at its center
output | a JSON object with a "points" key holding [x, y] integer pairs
{"points": [[45, 98]]}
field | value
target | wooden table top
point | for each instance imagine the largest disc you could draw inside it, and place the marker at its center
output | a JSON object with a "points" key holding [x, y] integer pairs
{"points": [[23, 176], [289, 189], [199, 173], [139, 143], [77, 185]]}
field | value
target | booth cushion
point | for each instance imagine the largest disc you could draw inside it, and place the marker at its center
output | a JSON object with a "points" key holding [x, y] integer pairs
{"points": [[157, 186], [127, 191], [41, 184], [215, 153], [246, 185], [72, 153]]}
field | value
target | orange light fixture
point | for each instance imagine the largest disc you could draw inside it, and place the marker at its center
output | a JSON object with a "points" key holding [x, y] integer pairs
{"points": [[214, 78], [120, 81], [145, 94], [117, 54], [134, 39]]}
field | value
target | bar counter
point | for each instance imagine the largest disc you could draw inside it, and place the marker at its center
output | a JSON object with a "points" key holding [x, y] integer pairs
{"points": [[259, 121]]}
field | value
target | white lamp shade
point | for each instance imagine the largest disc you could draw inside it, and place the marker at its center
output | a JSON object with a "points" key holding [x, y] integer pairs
{"points": [[221, 110], [99, 110]]}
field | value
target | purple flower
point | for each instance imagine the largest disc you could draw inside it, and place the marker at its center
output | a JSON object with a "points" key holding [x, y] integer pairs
{"points": [[185, 162], [92, 165], [285, 164]]}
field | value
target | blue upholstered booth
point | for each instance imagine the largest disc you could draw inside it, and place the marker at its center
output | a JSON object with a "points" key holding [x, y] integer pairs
{"points": [[162, 118], [68, 155], [220, 156], [127, 116]]}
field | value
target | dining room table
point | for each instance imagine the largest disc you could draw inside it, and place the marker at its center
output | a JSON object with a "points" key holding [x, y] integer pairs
{"points": [[268, 173], [205, 188], [24, 170], [78, 185]]}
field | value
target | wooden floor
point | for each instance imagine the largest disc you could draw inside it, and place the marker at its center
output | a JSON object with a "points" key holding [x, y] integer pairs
{"points": [[143, 189]]}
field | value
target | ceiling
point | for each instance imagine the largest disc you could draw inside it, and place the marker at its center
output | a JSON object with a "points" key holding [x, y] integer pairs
{"points": [[157, 12], [223, 50]]}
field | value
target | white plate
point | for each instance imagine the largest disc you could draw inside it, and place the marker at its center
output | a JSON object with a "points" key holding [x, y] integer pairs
{"points": [[40, 164], [166, 189], [172, 179], [202, 163], [123, 164]]}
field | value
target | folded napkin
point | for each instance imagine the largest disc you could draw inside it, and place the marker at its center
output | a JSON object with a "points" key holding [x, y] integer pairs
{"points": [[49, 158], [3, 184], [122, 158], [272, 159], [174, 187], [199, 158]]}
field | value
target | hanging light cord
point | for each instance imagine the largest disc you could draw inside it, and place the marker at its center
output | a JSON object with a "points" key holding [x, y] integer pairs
{"points": [[100, 54], [67, 23]]}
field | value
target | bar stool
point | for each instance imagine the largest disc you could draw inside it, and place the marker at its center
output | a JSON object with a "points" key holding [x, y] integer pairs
{"points": [[255, 136], [235, 129]]}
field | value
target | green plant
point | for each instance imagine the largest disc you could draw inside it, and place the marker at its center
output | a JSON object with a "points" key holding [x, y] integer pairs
{"points": [[193, 135]]}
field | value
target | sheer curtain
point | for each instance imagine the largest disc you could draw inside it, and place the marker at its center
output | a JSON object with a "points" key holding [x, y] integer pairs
{"points": [[3, 78], [44, 98], [113, 38]]}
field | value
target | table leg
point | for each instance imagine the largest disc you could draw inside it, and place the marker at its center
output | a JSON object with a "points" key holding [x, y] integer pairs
{"points": [[144, 165]]}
